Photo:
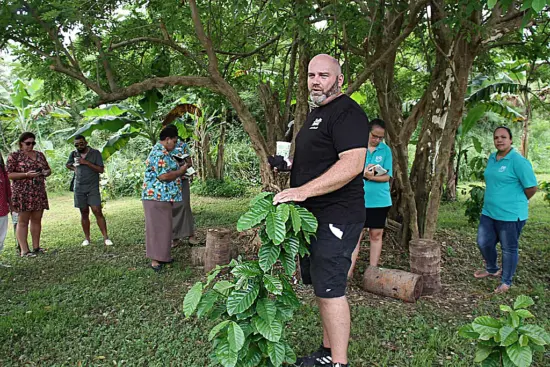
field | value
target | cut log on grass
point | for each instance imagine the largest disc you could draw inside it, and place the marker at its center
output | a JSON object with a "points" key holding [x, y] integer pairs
{"points": [[426, 261], [393, 283], [197, 255], [218, 248]]}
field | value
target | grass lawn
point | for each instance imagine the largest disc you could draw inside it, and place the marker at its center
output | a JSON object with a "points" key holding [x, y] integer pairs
{"points": [[92, 306]]}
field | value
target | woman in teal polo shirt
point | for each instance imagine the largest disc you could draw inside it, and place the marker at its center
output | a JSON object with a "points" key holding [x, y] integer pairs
{"points": [[510, 183], [377, 191]]}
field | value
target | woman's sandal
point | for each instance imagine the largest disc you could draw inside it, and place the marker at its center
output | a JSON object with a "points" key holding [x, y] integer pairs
{"points": [[156, 268], [39, 250], [28, 254], [484, 274]]}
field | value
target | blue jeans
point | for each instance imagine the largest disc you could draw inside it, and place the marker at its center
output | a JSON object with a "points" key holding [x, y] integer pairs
{"points": [[489, 233]]}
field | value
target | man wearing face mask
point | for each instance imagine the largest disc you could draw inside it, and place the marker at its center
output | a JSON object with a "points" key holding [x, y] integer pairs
{"points": [[326, 178], [87, 164]]}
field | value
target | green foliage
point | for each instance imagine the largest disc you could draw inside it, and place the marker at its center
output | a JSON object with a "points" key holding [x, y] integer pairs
{"points": [[258, 299], [218, 188], [509, 340], [545, 188], [474, 204]]}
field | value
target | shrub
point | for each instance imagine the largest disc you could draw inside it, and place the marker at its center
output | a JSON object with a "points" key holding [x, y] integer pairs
{"points": [[508, 341], [254, 304], [545, 188], [218, 188], [474, 204]]}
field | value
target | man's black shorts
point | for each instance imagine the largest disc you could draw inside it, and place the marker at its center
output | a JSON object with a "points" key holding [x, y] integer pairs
{"points": [[329, 261], [376, 217]]}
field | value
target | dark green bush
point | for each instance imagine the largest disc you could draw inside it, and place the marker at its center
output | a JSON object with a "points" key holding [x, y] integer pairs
{"points": [[218, 188], [474, 204]]}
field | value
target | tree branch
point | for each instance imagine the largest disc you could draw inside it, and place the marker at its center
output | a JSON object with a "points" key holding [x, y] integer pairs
{"points": [[204, 40], [158, 83], [106, 65], [414, 18], [246, 54], [168, 42]]}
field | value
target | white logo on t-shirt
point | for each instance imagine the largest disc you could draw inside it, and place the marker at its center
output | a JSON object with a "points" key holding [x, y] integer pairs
{"points": [[378, 159], [502, 169], [315, 124]]}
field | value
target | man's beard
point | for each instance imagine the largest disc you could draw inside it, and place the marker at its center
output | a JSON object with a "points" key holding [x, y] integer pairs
{"points": [[318, 100]]}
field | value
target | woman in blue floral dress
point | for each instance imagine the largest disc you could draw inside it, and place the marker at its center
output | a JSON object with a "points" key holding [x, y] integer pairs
{"points": [[161, 189]]}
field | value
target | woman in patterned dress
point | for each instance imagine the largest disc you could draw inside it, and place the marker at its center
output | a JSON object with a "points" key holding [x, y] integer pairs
{"points": [[28, 169], [161, 189]]}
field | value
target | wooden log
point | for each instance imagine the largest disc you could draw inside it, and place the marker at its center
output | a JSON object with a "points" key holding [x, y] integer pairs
{"points": [[425, 259], [393, 283], [218, 248], [197, 255]]}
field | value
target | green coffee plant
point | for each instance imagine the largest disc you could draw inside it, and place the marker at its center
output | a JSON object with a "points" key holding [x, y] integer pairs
{"points": [[257, 300], [545, 188], [474, 204], [508, 341]]}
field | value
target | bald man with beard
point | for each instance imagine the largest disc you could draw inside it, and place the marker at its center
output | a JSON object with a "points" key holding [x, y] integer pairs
{"points": [[326, 178]]}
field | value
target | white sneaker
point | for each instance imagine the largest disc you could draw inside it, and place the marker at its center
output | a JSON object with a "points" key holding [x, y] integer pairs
{"points": [[85, 243], [108, 242]]}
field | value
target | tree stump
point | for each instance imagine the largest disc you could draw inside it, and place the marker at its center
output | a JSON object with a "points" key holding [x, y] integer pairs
{"points": [[425, 258], [198, 255], [218, 248], [393, 283]]}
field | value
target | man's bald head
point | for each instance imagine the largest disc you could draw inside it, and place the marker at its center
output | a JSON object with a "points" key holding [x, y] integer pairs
{"points": [[329, 61], [324, 79]]}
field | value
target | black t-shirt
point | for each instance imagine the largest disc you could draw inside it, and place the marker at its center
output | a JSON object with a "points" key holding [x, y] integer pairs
{"points": [[328, 131]]}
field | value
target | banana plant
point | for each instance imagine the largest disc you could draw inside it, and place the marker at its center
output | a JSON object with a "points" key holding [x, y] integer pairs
{"points": [[127, 122], [25, 112]]}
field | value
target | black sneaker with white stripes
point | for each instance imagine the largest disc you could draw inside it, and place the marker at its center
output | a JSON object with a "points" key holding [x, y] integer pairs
{"points": [[321, 357]]}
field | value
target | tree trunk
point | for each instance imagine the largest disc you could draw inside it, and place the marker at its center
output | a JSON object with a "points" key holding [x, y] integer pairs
{"points": [[449, 194], [273, 120], [302, 95], [524, 147], [219, 168]]}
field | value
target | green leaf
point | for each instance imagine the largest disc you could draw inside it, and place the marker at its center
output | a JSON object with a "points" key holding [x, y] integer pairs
{"points": [[473, 116], [226, 356], [292, 245], [218, 310], [262, 195], [482, 353], [108, 123], [192, 299], [535, 333], [276, 353], [216, 329], [116, 143], [523, 302], [491, 3], [508, 336], [467, 331], [505, 308], [235, 336], [486, 325], [492, 361], [272, 331], [275, 228], [253, 357], [273, 284], [477, 144], [109, 110], [287, 260], [284, 312], [523, 340], [506, 361], [224, 287], [248, 269], [290, 356], [212, 275], [309, 222], [268, 255], [266, 309], [207, 302], [520, 356], [524, 314], [296, 220], [150, 102], [240, 300], [250, 219], [283, 211], [538, 5], [515, 319]]}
